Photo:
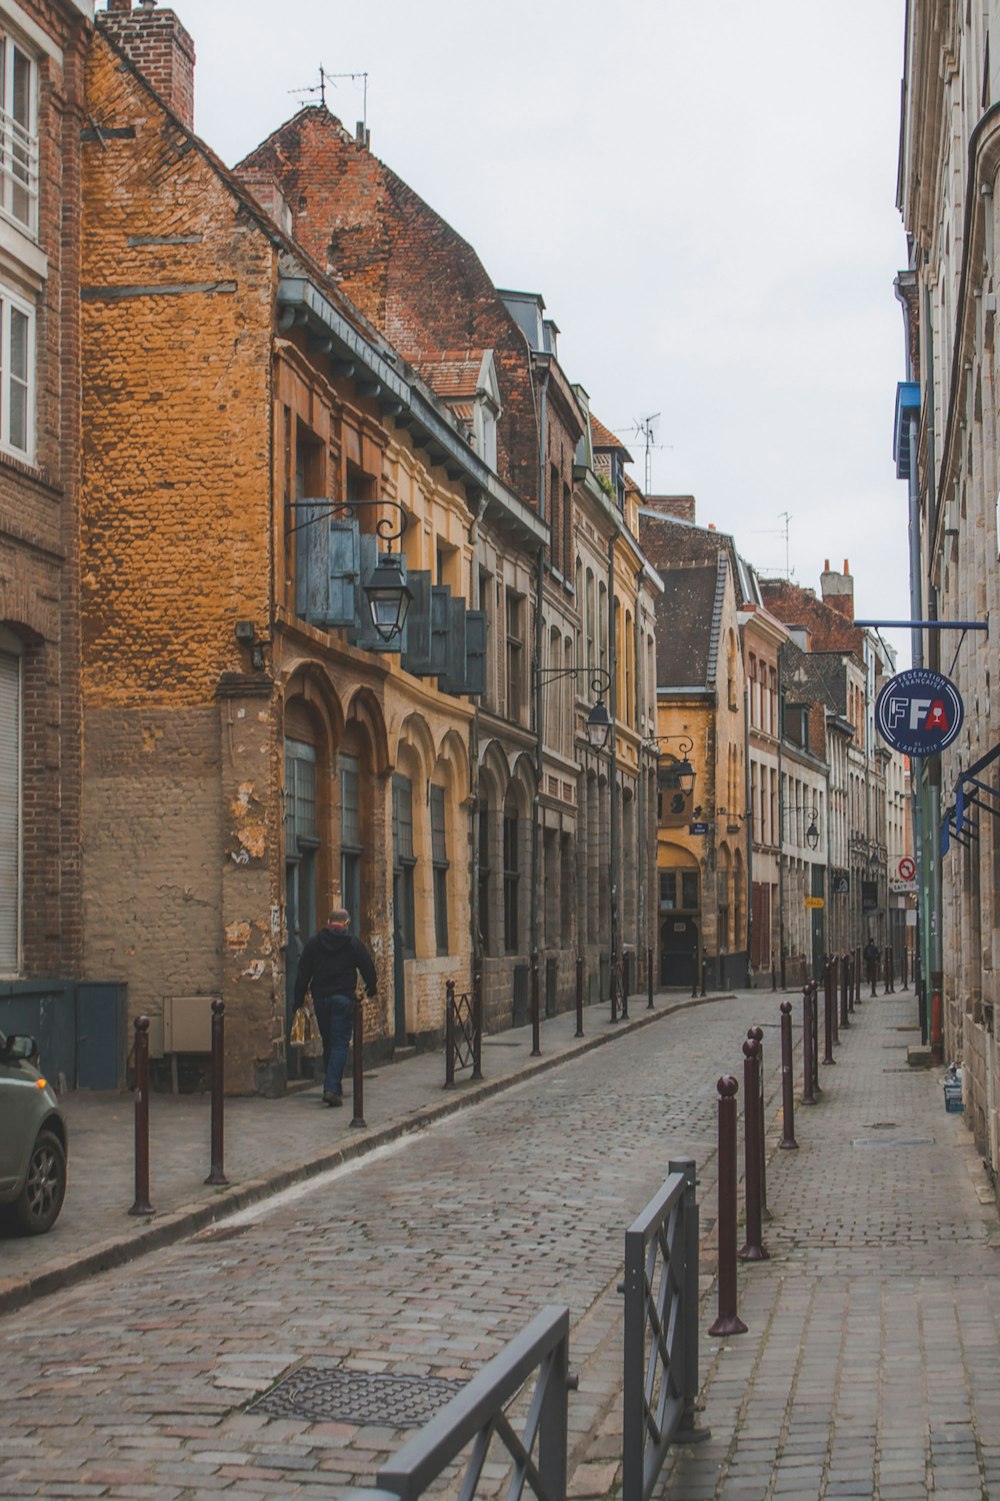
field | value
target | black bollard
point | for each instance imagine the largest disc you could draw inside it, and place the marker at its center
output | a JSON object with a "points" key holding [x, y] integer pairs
{"points": [[217, 1171], [579, 996], [477, 1025], [756, 1034], [728, 1322], [536, 1041], [623, 990], [142, 1204], [358, 1058], [827, 1016], [808, 1097], [753, 1248], [845, 1020], [449, 1034], [614, 987], [788, 1142], [649, 979]]}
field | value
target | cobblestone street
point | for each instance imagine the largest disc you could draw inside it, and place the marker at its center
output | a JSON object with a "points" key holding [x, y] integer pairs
{"points": [[868, 1369]]}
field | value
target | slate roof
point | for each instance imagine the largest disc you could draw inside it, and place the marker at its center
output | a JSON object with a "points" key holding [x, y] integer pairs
{"points": [[687, 633]]}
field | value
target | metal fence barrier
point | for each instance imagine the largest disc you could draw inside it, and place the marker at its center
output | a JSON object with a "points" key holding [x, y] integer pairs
{"points": [[463, 1032], [476, 1415], [661, 1331]]}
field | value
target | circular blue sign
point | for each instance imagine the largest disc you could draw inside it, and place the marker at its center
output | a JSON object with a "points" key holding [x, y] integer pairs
{"points": [[919, 712]]}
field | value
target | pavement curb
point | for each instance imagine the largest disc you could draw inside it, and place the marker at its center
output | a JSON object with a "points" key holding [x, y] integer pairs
{"points": [[180, 1223]]}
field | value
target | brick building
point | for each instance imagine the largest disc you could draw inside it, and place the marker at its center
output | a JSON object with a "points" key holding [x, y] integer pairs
{"points": [[254, 752], [43, 117]]}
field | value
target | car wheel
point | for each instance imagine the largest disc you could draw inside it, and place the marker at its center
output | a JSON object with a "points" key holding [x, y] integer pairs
{"points": [[44, 1189]]}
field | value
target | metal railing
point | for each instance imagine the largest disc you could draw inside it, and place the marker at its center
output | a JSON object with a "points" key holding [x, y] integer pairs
{"points": [[463, 1031], [661, 1330], [477, 1415]]}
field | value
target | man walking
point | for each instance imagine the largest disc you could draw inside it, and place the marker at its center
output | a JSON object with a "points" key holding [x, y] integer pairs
{"points": [[331, 962]]}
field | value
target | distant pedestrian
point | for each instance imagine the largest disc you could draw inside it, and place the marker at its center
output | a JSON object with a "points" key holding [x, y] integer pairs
{"points": [[330, 964], [871, 962]]}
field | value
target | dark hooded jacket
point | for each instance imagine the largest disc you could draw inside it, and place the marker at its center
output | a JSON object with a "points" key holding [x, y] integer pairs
{"points": [[331, 961]]}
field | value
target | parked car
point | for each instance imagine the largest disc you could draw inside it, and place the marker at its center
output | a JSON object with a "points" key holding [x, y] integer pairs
{"points": [[33, 1140]]}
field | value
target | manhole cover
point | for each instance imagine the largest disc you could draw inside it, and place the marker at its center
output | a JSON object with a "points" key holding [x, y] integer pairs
{"points": [[894, 1141], [882, 1126], [318, 1394]]}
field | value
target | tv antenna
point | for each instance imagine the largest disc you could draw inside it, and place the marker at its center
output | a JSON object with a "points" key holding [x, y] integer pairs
{"points": [[331, 78], [645, 428], [783, 531]]}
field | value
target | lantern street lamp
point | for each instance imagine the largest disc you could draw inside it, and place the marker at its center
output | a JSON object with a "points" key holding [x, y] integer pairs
{"points": [[683, 770], [388, 594]]}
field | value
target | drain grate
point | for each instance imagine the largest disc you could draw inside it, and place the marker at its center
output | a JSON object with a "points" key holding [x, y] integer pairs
{"points": [[319, 1394], [893, 1141]]}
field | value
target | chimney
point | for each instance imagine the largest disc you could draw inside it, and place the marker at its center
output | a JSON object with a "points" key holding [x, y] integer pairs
{"points": [[681, 506], [159, 47], [838, 590]]}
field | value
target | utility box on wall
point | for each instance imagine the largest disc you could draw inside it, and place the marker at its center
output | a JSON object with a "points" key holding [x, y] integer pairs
{"points": [[187, 1023]]}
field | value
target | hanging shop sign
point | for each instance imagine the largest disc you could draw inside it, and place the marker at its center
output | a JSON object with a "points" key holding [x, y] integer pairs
{"points": [[919, 712]]}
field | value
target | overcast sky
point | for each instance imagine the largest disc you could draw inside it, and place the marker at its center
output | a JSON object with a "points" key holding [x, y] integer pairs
{"points": [[703, 194]]}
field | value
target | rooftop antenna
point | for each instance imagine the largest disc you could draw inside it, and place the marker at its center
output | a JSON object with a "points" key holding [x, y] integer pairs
{"points": [[783, 531], [646, 429], [331, 78]]}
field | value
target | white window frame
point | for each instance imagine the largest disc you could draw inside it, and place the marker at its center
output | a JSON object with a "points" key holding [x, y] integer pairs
{"points": [[14, 133], [11, 302]]}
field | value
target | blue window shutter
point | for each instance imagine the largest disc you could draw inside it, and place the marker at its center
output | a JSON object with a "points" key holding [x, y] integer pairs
{"points": [[416, 656], [345, 568], [475, 652], [452, 680], [440, 626], [312, 562]]}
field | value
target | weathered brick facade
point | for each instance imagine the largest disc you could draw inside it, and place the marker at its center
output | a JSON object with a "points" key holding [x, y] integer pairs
{"points": [[39, 499]]}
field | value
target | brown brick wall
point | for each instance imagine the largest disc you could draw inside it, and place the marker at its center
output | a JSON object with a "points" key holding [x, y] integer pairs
{"points": [[160, 48], [38, 529]]}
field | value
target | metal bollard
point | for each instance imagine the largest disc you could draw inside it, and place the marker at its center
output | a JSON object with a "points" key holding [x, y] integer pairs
{"points": [[728, 1321], [477, 1025], [891, 967], [858, 974], [536, 1043], [358, 1057], [905, 976], [704, 968], [808, 1098], [217, 1171], [623, 971], [614, 987], [753, 1249], [873, 976], [449, 1034], [851, 980], [788, 1142], [649, 979], [694, 974], [579, 996], [815, 1048], [142, 1204], [830, 980], [845, 1020], [756, 1034], [827, 1019]]}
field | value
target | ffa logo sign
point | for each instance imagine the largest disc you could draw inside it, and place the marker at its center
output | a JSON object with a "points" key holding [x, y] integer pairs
{"points": [[919, 712]]}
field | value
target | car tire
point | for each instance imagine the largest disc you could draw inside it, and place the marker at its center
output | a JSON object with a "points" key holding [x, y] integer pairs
{"points": [[37, 1208]]}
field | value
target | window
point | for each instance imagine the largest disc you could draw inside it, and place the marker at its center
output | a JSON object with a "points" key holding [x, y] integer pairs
{"points": [[350, 838], [510, 881], [485, 871], [678, 891], [439, 862], [515, 644], [404, 862], [301, 837], [10, 813], [17, 376], [18, 134]]}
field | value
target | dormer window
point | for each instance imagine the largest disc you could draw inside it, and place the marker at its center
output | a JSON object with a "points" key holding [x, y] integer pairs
{"points": [[18, 134], [486, 412]]}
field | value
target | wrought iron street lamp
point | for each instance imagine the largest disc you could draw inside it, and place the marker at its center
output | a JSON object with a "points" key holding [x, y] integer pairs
{"points": [[598, 721], [684, 771], [388, 594]]}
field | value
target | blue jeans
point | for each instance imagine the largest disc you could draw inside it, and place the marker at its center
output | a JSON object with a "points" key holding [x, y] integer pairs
{"points": [[335, 1015]]}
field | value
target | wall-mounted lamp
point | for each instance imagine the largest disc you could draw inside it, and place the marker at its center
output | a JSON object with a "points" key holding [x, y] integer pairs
{"points": [[387, 591], [685, 771], [598, 722]]}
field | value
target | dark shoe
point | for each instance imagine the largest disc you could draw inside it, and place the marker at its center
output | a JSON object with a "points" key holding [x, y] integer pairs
{"points": [[332, 1099]]}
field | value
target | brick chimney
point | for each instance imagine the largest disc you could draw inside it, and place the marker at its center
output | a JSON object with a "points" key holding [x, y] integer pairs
{"points": [[838, 589], [681, 506], [160, 48]]}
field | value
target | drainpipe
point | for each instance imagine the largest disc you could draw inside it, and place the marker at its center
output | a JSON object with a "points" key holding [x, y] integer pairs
{"points": [[748, 824], [543, 367], [474, 923], [781, 829], [613, 713]]}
